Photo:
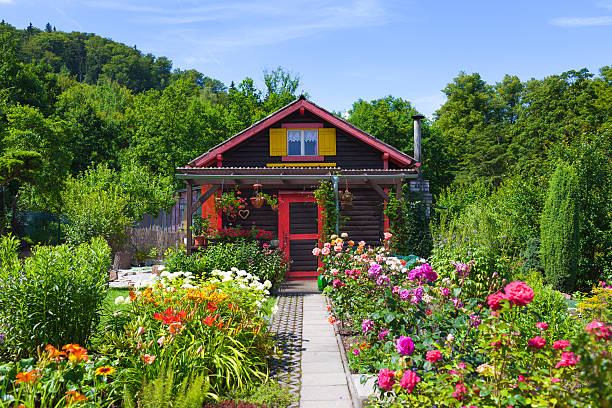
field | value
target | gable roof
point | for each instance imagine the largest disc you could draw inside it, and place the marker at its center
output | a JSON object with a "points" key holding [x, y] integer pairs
{"points": [[395, 155]]}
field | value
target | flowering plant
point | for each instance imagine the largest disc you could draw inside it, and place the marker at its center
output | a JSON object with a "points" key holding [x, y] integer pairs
{"points": [[66, 376], [238, 232], [231, 202]]}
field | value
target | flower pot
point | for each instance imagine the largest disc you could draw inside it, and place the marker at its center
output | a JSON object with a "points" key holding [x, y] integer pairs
{"points": [[322, 282], [346, 205], [199, 240], [257, 201]]}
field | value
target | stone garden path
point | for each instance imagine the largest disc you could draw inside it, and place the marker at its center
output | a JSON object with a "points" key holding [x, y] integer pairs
{"points": [[312, 364]]}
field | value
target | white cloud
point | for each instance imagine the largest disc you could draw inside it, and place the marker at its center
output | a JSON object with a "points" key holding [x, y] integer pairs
{"points": [[582, 21], [6, 1]]}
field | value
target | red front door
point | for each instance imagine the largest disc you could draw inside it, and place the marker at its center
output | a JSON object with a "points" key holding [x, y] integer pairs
{"points": [[298, 232]]}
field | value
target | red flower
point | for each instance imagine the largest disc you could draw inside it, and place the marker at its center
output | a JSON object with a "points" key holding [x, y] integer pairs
{"points": [[209, 320], [433, 355], [536, 343], [386, 379], [212, 306], [560, 344], [494, 300], [460, 391], [409, 381], [542, 325], [519, 293]]}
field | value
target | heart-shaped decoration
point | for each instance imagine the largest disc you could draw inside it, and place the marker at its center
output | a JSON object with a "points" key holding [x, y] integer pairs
{"points": [[244, 214]]}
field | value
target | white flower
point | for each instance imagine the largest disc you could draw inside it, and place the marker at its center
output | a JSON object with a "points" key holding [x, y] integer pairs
{"points": [[344, 235], [187, 286], [275, 309], [119, 300], [165, 274], [267, 284]]}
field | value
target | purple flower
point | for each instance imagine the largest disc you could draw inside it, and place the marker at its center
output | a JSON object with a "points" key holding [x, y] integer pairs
{"points": [[475, 320], [367, 325], [396, 290], [405, 294], [404, 345], [428, 273], [382, 334], [445, 291], [417, 295], [356, 351], [415, 274], [383, 280], [457, 303], [375, 270]]}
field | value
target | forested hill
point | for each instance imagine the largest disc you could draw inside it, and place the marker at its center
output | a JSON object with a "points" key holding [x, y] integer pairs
{"points": [[87, 57]]}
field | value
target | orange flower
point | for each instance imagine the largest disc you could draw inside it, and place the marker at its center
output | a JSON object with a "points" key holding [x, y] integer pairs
{"points": [[331, 319], [54, 353], [74, 396], [209, 320], [106, 370], [212, 306], [148, 359], [174, 328], [133, 295], [220, 325], [76, 353], [28, 377], [364, 346]]}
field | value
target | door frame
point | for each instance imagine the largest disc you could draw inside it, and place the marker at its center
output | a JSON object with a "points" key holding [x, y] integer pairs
{"points": [[285, 197]]}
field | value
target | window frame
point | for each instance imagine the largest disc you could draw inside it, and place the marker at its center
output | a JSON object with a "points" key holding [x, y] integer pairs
{"points": [[303, 143]]}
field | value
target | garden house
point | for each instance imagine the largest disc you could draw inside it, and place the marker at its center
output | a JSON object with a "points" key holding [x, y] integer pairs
{"points": [[279, 161]]}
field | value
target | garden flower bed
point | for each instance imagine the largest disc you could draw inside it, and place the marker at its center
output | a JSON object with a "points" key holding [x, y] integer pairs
{"points": [[184, 340], [441, 341]]}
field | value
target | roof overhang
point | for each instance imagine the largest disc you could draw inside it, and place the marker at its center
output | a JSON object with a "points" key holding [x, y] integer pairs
{"points": [[398, 157], [292, 177]]}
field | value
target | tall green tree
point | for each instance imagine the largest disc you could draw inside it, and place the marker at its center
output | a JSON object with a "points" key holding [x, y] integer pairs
{"points": [[560, 228]]}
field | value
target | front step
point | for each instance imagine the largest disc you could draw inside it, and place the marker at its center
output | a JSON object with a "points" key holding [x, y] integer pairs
{"points": [[302, 275]]}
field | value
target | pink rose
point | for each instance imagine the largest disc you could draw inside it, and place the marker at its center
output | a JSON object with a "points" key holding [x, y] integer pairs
{"points": [[316, 251], [386, 379], [560, 344], [338, 248], [388, 236], [336, 283], [325, 251], [567, 359], [409, 381], [542, 325], [493, 300], [433, 355], [536, 343], [327, 245], [599, 330], [519, 293], [404, 345]]}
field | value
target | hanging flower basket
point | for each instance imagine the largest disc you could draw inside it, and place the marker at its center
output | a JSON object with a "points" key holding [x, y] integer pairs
{"points": [[258, 201], [346, 200]]}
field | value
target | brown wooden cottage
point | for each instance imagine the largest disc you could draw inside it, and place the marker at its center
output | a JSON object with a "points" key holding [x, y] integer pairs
{"points": [[289, 153]]}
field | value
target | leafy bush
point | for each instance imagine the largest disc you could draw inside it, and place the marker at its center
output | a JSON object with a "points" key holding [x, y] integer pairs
{"points": [[259, 260], [409, 225], [53, 297], [560, 228]]}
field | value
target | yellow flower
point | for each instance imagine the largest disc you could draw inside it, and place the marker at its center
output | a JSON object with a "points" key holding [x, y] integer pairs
{"points": [[106, 370]]}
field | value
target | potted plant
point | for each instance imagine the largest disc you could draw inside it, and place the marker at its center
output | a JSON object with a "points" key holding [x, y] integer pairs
{"points": [[346, 200], [272, 201], [200, 229], [258, 198]]}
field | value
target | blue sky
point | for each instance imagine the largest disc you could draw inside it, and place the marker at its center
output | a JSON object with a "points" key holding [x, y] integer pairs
{"points": [[344, 50]]}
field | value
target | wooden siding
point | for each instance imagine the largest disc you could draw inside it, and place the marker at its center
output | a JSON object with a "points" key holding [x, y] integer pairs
{"points": [[365, 220], [351, 153]]}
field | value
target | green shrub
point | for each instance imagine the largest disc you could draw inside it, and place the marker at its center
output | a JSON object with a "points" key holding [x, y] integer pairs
{"points": [[54, 297], [548, 306], [560, 228], [409, 225], [251, 256]]}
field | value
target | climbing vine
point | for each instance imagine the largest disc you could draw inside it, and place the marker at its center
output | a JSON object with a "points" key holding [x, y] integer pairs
{"points": [[324, 194], [409, 224]]}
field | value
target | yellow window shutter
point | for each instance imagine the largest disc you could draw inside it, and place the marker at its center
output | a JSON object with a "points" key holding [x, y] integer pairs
{"points": [[278, 142], [327, 142]]}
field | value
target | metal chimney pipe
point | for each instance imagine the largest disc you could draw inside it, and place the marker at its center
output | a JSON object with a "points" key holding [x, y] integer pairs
{"points": [[417, 136]]}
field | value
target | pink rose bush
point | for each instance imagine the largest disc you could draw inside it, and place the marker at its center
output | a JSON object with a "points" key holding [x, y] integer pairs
{"points": [[447, 342]]}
